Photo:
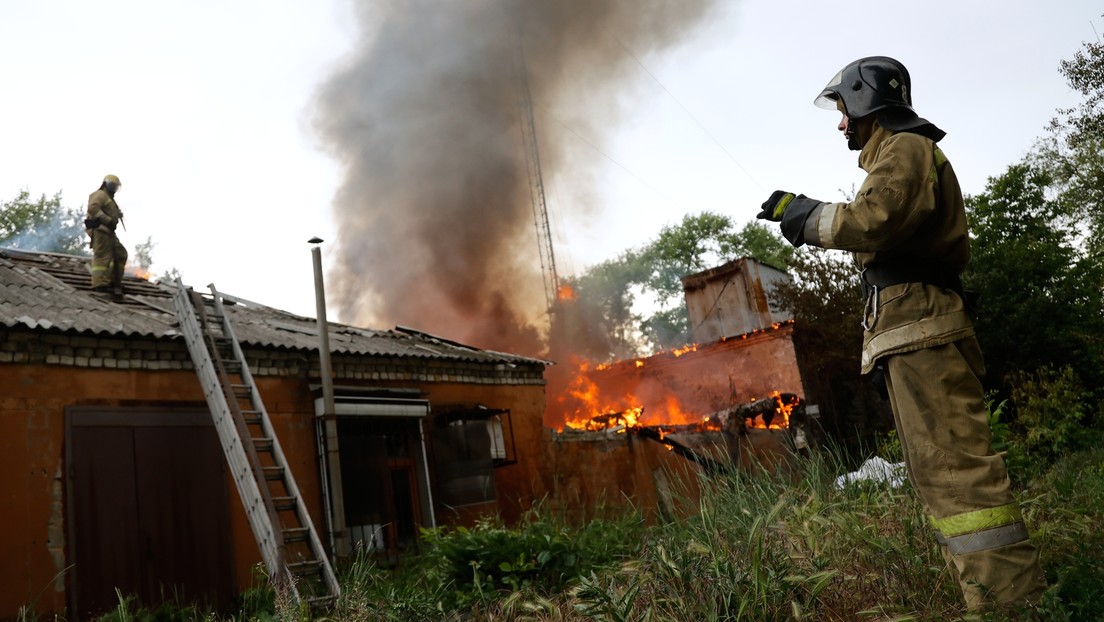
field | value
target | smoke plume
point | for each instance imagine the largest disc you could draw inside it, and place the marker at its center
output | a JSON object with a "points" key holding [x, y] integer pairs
{"points": [[435, 222]]}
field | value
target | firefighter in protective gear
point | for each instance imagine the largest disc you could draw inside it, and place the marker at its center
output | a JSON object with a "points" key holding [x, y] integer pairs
{"points": [[109, 256], [906, 228]]}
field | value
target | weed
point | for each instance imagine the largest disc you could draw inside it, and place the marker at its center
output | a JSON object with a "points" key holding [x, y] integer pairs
{"points": [[758, 545]]}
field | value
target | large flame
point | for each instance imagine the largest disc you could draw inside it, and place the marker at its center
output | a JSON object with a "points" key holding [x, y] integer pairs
{"points": [[659, 392], [780, 418]]}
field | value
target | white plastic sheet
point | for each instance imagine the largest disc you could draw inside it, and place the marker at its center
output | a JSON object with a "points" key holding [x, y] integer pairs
{"points": [[876, 469]]}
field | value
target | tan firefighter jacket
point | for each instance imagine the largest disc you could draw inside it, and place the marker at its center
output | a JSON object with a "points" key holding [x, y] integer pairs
{"points": [[103, 207], [909, 211]]}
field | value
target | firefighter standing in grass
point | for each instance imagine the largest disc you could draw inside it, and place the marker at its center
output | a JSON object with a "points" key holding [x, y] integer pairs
{"points": [[906, 228], [109, 256]]}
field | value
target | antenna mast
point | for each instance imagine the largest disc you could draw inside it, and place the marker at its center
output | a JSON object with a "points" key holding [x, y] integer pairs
{"points": [[536, 181]]}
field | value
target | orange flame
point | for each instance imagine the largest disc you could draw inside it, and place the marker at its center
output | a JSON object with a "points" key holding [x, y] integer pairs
{"points": [[693, 347], [138, 271], [614, 396], [780, 419], [591, 408], [566, 292]]}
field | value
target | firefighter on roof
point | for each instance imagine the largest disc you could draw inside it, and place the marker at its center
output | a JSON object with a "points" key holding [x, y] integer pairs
{"points": [[906, 228], [109, 256]]}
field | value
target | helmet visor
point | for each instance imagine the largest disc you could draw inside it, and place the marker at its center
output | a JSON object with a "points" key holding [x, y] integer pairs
{"points": [[830, 95]]}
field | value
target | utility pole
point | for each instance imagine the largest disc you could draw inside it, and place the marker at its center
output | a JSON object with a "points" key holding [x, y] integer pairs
{"points": [[331, 461]]}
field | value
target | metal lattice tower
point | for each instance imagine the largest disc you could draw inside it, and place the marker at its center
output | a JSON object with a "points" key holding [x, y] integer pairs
{"points": [[536, 183]]}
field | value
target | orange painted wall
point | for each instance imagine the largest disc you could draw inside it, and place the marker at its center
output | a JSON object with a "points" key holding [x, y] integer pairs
{"points": [[32, 433], [33, 399], [519, 485], [596, 472]]}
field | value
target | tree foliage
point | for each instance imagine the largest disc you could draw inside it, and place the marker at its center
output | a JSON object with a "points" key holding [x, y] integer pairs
{"points": [[825, 299], [1073, 152], [602, 323], [1040, 292], [1037, 247], [42, 224], [1085, 74]]}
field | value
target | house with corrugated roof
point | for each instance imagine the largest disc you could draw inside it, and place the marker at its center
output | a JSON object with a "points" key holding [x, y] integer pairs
{"points": [[113, 476]]}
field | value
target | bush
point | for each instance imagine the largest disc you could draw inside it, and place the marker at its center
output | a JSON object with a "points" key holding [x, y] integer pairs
{"points": [[1052, 417], [1066, 507], [538, 555]]}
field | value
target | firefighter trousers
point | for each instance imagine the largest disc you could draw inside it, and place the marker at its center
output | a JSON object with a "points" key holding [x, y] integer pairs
{"points": [[939, 408], [109, 258]]}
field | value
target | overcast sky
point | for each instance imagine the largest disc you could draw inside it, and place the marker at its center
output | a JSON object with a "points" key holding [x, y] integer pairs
{"points": [[204, 109]]}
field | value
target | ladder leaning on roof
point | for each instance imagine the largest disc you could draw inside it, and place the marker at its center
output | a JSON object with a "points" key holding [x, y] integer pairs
{"points": [[289, 543]]}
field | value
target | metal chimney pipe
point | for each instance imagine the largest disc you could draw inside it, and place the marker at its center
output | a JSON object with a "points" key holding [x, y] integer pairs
{"points": [[339, 540]]}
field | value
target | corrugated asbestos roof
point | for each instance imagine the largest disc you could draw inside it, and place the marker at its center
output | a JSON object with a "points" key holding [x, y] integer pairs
{"points": [[51, 291]]}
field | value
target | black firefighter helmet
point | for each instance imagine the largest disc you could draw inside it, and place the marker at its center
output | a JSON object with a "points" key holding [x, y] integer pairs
{"points": [[881, 85]]}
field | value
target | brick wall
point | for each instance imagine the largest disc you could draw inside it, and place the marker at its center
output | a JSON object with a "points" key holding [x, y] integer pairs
{"points": [[58, 348]]}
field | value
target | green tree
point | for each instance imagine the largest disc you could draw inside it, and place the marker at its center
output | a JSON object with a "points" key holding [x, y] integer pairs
{"points": [[42, 225], [1039, 242], [597, 321], [1040, 289], [825, 299], [602, 319], [699, 242], [1073, 152], [1085, 74]]}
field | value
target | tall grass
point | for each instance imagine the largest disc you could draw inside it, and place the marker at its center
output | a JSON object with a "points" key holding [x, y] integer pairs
{"points": [[758, 546], [774, 546]]}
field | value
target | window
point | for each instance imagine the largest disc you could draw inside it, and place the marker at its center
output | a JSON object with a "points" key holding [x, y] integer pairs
{"points": [[468, 443]]}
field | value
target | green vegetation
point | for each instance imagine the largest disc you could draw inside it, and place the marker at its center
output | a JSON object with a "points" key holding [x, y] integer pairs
{"points": [[42, 224], [45, 225], [606, 293], [754, 546]]}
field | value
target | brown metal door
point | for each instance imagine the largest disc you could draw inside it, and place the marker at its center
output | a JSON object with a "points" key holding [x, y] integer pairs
{"points": [[149, 510], [103, 518], [183, 515]]}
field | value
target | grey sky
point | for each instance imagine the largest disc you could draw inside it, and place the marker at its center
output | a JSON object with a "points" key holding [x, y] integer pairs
{"points": [[204, 109]]}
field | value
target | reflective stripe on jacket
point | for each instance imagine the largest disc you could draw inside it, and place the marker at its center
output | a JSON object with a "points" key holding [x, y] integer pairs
{"points": [[909, 209]]}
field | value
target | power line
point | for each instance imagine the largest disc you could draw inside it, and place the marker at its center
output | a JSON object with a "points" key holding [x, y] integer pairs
{"points": [[607, 156], [688, 113]]}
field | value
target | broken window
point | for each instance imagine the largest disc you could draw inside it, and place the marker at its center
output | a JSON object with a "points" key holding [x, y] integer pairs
{"points": [[468, 443]]}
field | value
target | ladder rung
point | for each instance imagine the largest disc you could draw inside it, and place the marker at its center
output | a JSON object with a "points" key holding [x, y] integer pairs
{"points": [[263, 443], [252, 416], [283, 503], [319, 602], [273, 473], [296, 534], [310, 566]]}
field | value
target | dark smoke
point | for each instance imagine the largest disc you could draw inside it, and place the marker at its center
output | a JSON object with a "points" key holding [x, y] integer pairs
{"points": [[435, 221]]}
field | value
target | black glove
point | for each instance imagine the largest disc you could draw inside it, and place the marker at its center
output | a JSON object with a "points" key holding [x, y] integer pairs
{"points": [[91, 223], [775, 206], [791, 211]]}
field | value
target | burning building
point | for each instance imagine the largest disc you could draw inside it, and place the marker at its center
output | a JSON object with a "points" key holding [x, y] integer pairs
{"points": [[113, 476], [734, 399]]}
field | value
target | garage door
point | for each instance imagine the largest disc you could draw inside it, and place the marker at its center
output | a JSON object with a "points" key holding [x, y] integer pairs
{"points": [[148, 509]]}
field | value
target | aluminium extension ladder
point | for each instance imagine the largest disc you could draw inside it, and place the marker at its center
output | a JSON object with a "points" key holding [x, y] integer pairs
{"points": [[292, 551]]}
